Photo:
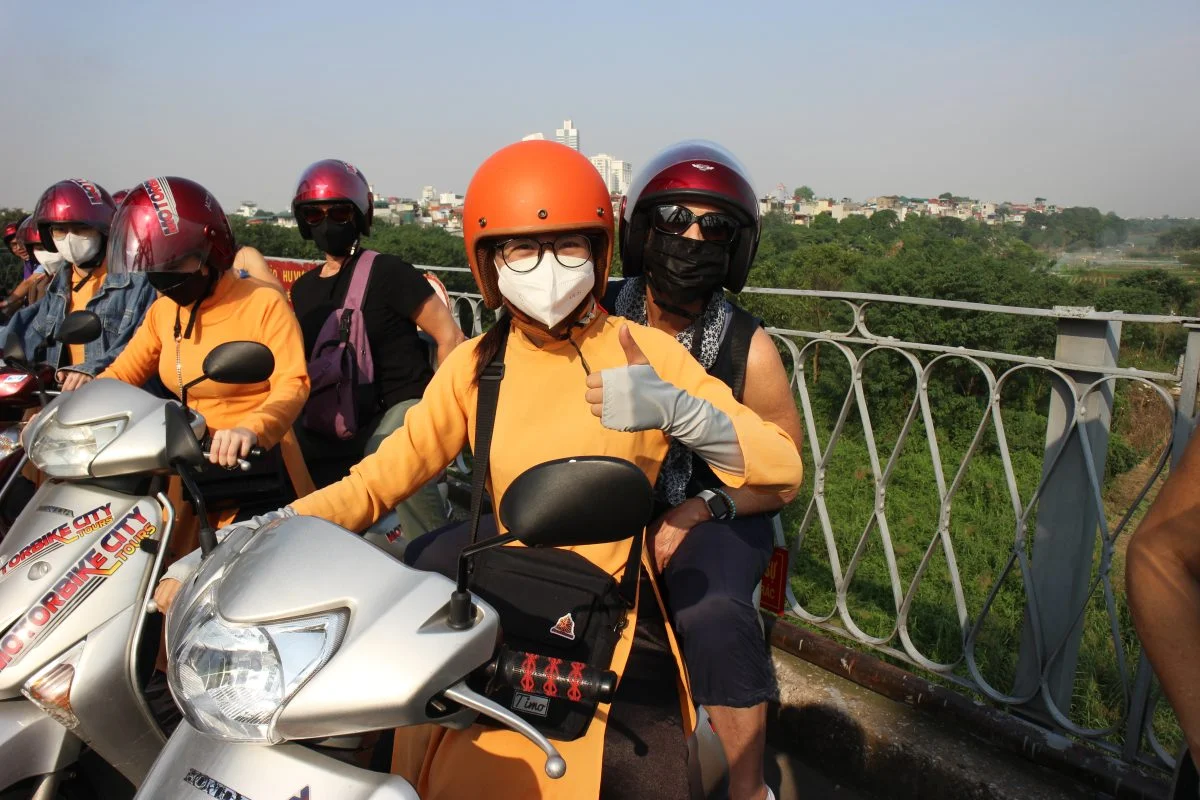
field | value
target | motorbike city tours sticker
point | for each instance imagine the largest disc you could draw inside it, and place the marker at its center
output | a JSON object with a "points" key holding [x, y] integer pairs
{"points": [[98, 564], [82, 525]]}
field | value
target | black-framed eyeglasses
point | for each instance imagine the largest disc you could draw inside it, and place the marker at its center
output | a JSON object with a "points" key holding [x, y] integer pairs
{"points": [[339, 214], [523, 255], [715, 226]]}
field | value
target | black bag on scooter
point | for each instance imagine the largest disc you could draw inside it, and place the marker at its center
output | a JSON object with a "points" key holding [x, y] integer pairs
{"points": [[551, 602], [266, 481]]}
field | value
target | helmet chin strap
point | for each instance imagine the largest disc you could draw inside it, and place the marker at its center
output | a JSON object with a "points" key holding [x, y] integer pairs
{"points": [[561, 332]]}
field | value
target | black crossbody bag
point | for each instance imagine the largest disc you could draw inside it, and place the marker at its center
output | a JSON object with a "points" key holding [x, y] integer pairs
{"points": [[551, 602]]}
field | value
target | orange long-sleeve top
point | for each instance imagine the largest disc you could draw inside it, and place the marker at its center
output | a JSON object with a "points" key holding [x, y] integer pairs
{"points": [[237, 310], [79, 299], [541, 415]]}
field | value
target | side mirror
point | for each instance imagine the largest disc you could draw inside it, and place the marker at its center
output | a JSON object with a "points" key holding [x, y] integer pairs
{"points": [[79, 327], [239, 362], [577, 501]]}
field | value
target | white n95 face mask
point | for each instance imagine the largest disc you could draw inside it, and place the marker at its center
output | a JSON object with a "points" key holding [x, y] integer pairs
{"points": [[52, 262], [79, 248], [549, 291]]}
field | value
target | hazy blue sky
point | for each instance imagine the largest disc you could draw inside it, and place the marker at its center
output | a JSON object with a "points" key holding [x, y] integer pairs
{"points": [[1080, 101]]}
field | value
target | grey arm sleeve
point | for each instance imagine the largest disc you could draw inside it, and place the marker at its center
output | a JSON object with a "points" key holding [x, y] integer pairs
{"points": [[636, 399]]}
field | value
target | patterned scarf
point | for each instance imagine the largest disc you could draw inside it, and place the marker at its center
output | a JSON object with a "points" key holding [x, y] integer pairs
{"points": [[631, 304]]}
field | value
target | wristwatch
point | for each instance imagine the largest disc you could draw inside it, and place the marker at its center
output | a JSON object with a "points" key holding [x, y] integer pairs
{"points": [[717, 502]]}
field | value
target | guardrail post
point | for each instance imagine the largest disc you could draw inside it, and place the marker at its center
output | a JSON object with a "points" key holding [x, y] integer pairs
{"points": [[1067, 519], [1181, 431]]}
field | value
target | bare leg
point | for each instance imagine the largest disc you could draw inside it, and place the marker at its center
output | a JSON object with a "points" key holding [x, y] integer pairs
{"points": [[743, 735]]}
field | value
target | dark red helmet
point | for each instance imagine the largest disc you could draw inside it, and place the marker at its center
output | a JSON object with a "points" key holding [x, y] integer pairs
{"points": [[10, 231], [330, 181], [27, 234], [74, 200], [119, 197], [696, 170], [165, 221]]}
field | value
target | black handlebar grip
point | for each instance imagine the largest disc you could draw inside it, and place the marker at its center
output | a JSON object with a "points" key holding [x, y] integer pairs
{"points": [[555, 677], [256, 452]]}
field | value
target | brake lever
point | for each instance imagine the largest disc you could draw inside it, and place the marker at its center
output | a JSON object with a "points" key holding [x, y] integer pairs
{"points": [[460, 693], [242, 463]]}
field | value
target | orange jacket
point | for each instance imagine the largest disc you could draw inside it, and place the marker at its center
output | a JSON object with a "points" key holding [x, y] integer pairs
{"points": [[541, 415], [237, 310]]}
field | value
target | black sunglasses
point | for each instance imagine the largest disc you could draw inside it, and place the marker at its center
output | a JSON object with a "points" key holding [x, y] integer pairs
{"points": [[715, 226], [313, 215]]}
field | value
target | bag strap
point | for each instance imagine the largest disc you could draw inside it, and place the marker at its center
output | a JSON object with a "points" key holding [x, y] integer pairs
{"points": [[633, 571], [485, 420], [357, 289]]}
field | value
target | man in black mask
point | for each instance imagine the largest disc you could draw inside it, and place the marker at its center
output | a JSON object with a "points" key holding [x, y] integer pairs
{"points": [[689, 230], [334, 206]]}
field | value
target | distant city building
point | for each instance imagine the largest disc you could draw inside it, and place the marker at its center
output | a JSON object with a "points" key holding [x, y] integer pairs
{"points": [[450, 200], [427, 195], [617, 174], [533, 137], [567, 135], [247, 209]]}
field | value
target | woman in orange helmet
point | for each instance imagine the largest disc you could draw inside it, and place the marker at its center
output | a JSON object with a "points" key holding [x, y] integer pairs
{"points": [[539, 238]]}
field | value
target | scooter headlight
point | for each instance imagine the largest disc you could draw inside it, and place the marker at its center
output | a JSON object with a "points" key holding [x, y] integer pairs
{"points": [[66, 451], [233, 680]]}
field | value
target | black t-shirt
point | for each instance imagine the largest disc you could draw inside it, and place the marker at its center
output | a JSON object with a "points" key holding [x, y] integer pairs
{"points": [[395, 292]]}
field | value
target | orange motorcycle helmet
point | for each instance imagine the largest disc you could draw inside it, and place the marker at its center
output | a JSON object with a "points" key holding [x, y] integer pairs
{"points": [[532, 188]]}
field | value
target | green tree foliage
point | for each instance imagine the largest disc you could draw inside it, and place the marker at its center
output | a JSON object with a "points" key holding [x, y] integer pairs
{"points": [[1074, 228], [426, 246], [804, 193], [1186, 237]]}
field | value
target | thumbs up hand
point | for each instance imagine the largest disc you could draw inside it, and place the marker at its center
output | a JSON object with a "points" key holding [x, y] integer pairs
{"points": [[633, 353], [623, 397]]}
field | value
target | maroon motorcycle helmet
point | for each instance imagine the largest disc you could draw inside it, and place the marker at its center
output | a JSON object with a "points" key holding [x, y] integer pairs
{"points": [[165, 221], [10, 231], [119, 197], [696, 170], [331, 181], [28, 235], [77, 201]]}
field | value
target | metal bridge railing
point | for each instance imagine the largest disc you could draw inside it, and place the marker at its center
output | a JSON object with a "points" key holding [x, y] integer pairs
{"points": [[1059, 525]]}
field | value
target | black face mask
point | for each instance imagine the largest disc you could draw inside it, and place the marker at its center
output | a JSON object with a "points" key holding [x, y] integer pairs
{"points": [[185, 288], [335, 238], [682, 271]]}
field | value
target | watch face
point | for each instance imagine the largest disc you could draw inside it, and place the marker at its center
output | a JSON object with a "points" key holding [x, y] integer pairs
{"points": [[718, 507]]}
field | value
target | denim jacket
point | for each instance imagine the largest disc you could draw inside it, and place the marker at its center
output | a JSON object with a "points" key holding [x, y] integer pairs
{"points": [[120, 302]]}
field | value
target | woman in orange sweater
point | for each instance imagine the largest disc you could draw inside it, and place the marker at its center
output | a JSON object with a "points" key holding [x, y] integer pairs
{"points": [[175, 231]]}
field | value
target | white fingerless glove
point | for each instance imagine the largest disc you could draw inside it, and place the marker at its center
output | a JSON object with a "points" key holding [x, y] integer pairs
{"points": [[637, 399]]}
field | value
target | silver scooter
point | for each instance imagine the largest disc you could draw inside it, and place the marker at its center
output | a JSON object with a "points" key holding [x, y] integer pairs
{"points": [[300, 630], [77, 572]]}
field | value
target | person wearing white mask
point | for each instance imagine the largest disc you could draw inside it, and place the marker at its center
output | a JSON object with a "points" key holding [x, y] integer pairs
{"points": [[72, 219], [538, 231], [32, 287]]}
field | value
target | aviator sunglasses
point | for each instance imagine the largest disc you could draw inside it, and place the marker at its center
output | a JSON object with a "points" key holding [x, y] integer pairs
{"points": [[714, 226], [313, 215]]}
